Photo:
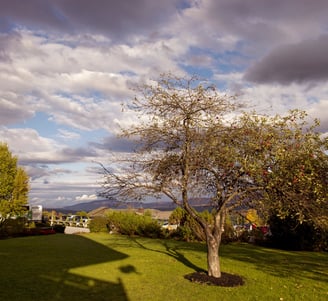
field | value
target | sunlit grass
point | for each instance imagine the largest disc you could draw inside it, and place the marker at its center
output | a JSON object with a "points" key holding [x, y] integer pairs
{"points": [[107, 267]]}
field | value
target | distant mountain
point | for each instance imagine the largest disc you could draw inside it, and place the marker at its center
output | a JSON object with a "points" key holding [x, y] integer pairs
{"points": [[200, 204], [110, 203]]}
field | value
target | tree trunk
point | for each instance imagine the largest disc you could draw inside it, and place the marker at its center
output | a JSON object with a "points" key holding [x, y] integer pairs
{"points": [[213, 260]]}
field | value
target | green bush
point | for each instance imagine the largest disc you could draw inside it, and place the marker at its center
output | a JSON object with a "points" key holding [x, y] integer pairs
{"points": [[130, 223], [99, 224], [189, 229], [13, 227], [59, 228], [185, 233], [289, 234], [123, 222], [148, 227], [229, 234]]}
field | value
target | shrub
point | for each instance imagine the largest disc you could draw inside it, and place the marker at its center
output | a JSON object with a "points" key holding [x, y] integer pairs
{"points": [[123, 222], [184, 232], [13, 227], [99, 224], [229, 234], [59, 228], [148, 227], [289, 234], [130, 223]]}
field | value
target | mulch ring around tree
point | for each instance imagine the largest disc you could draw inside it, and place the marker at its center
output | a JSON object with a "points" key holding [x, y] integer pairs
{"points": [[226, 279]]}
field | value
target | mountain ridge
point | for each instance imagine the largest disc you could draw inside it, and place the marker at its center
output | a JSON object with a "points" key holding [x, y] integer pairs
{"points": [[115, 204]]}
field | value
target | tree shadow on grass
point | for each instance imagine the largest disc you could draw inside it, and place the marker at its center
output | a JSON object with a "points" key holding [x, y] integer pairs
{"points": [[200, 275], [306, 265], [172, 251], [41, 270], [298, 264]]}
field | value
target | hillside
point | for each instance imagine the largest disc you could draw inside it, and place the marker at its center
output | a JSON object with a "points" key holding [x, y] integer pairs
{"points": [[200, 204]]}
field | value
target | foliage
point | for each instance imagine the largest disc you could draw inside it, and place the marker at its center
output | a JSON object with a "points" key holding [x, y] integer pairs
{"points": [[126, 223], [177, 216], [189, 146], [130, 223], [290, 166], [99, 224], [189, 230], [20, 187], [253, 217], [81, 213], [229, 234], [14, 185], [59, 228], [288, 233], [13, 227]]}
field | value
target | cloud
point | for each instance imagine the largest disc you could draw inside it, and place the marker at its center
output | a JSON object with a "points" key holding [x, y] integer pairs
{"points": [[85, 197], [31, 148], [303, 62], [68, 135], [34, 14], [7, 41], [60, 194], [60, 186], [79, 83], [278, 99], [117, 19], [13, 109], [266, 20], [75, 154], [250, 28], [319, 110], [37, 171], [71, 63], [115, 144]]}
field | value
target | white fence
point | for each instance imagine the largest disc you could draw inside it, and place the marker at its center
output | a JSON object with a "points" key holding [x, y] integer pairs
{"points": [[70, 221]]}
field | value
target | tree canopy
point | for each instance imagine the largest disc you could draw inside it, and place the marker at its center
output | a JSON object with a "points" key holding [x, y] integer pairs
{"points": [[193, 141], [14, 185]]}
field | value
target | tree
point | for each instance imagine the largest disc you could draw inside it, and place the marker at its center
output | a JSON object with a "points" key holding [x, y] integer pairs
{"points": [[14, 185], [289, 234], [194, 142], [177, 216], [293, 165], [252, 217], [82, 213]]}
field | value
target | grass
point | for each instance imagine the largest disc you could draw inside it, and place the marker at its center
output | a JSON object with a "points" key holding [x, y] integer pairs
{"points": [[105, 267]]}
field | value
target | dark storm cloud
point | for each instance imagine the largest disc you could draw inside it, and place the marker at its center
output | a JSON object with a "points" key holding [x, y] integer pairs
{"points": [[271, 10], [78, 153], [65, 155], [261, 23], [115, 18], [7, 42], [306, 61], [36, 171], [34, 13], [116, 144]]}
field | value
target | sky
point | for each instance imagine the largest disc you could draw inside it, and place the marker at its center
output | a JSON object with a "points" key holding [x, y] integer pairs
{"points": [[66, 66]]}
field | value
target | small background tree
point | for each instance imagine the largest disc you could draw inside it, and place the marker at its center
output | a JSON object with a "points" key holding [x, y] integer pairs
{"points": [[14, 186]]}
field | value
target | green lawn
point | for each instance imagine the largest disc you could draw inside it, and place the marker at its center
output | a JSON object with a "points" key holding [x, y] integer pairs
{"points": [[106, 267]]}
